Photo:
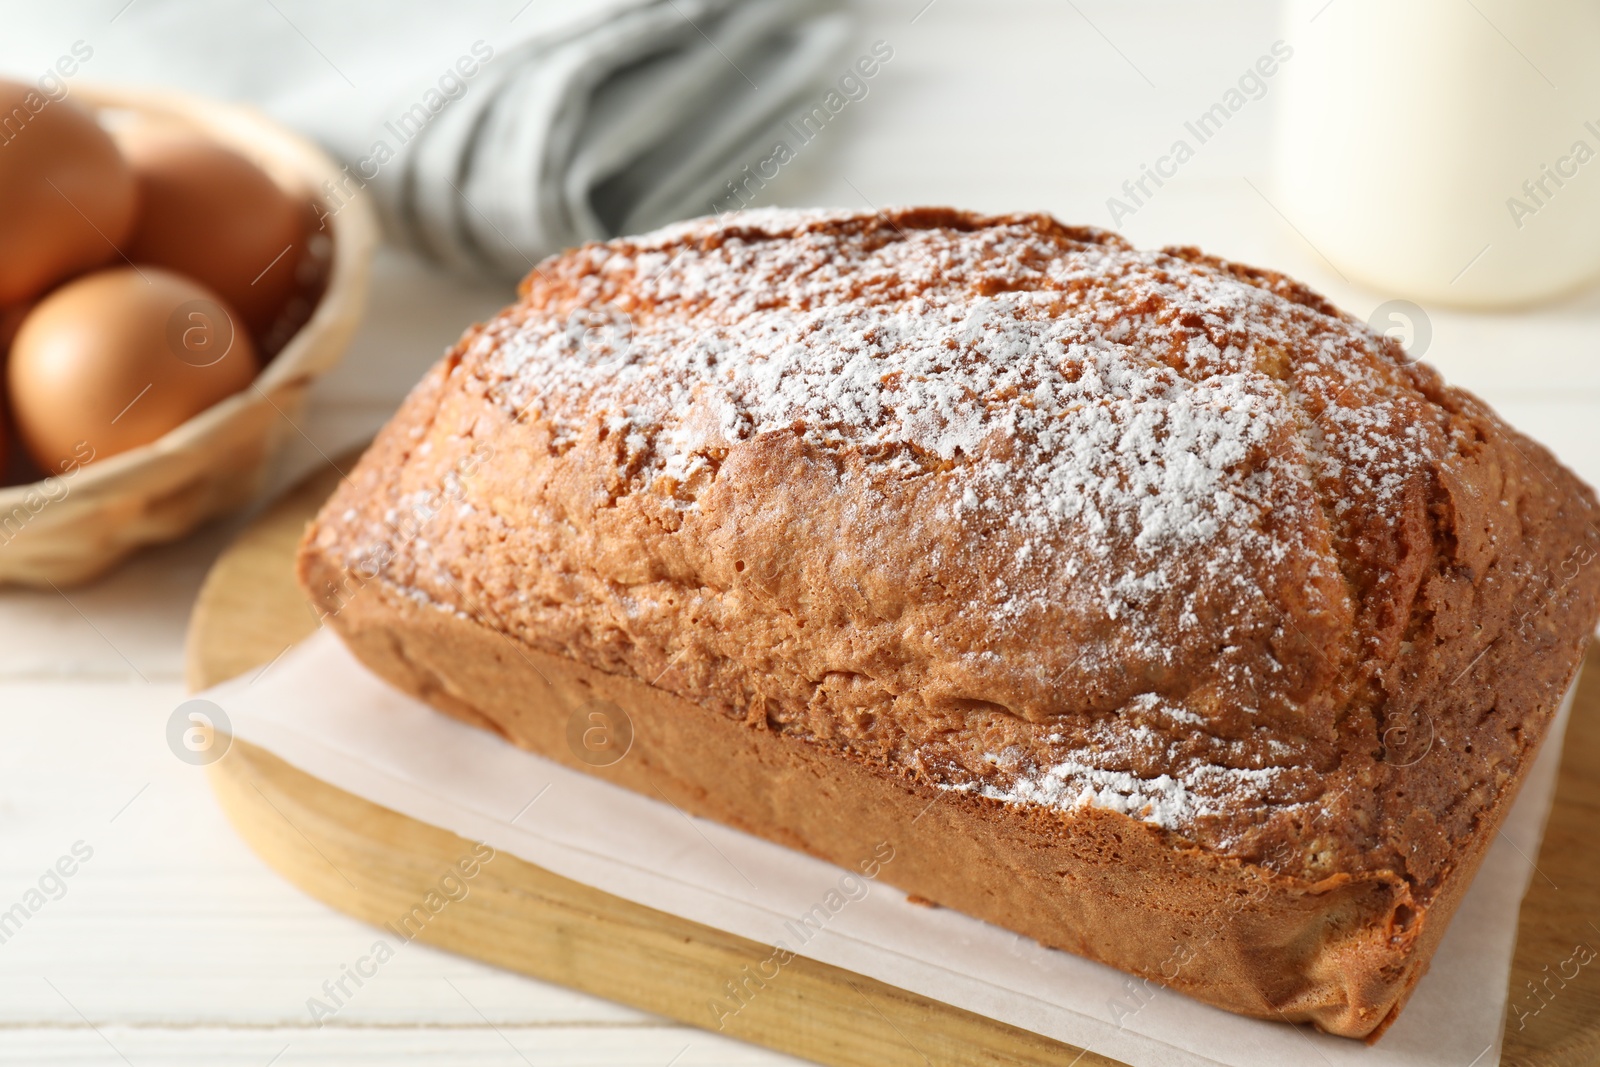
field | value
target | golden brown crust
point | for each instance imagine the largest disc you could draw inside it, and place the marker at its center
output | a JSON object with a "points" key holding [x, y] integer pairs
{"points": [[1145, 562]]}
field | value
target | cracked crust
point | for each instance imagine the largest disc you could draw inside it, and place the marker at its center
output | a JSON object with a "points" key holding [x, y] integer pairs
{"points": [[1179, 586]]}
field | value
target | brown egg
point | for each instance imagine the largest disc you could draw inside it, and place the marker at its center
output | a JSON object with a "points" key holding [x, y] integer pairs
{"points": [[208, 212], [119, 357], [67, 196]]}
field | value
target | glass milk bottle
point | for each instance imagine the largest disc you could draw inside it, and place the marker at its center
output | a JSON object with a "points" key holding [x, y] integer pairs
{"points": [[1445, 150]]}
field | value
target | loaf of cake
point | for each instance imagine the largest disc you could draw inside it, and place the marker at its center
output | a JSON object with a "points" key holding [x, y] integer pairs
{"points": [[1143, 602]]}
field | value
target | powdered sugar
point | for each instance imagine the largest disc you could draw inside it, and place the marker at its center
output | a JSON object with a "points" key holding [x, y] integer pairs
{"points": [[1111, 439], [1163, 800], [1173, 800]]}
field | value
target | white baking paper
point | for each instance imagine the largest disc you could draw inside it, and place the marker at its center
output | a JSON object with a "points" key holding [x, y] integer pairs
{"points": [[321, 711]]}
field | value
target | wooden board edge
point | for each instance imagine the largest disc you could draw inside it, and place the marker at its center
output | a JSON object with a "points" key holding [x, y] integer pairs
{"points": [[392, 871]]}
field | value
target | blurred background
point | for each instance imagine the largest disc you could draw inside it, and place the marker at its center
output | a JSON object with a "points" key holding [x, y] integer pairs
{"points": [[1435, 171]]}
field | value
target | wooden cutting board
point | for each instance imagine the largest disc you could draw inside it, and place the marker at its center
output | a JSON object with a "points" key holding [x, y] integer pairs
{"points": [[374, 864]]}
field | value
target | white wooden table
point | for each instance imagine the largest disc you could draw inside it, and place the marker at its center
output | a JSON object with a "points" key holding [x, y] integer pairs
{"points": [[173, 944]]}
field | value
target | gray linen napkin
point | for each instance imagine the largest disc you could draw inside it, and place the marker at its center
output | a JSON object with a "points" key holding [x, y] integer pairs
{"points": [[618, 124]]}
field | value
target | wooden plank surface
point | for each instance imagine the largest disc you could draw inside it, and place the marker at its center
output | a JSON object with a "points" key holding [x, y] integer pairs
{"points": [[375, 864]]}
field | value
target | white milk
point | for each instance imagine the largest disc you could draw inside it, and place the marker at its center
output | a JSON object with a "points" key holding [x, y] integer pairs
{"points": [[1445, 150]]}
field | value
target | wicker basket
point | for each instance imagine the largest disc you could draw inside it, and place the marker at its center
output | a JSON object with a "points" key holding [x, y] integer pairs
{"points": [[74, 527]]}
